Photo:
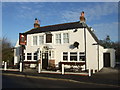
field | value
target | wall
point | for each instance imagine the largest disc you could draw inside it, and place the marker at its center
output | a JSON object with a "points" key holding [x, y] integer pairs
{"points": [[16, 53], [101, 62], [112, 56], [91, 52]]}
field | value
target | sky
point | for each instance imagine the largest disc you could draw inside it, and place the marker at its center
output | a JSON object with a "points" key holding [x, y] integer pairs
{"points": [[18, 17]]}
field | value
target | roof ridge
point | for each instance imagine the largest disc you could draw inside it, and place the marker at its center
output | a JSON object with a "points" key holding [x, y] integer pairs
{"points": [[60, 24], [52, 25]]}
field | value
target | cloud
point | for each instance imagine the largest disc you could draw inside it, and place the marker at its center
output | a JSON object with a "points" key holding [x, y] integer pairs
{"points": [[92, 11], [104, 29], [27, 11]]}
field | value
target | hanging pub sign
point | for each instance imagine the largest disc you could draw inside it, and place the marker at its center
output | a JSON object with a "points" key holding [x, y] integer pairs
{"points": [[22, 39]]}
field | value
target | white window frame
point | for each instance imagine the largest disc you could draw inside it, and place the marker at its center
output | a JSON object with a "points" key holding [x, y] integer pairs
{"points": [[33, 40], [74, 55], [66, 37], [65, 55], [29, 55], [58, 38], [42, 39], [35, 55]]}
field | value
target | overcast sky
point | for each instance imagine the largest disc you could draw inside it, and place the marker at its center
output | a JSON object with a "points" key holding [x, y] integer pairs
{"points": [[18, 17]]}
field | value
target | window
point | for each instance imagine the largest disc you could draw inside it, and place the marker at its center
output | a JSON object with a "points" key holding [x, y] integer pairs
{"points": [[29, 56], [48, 38], [73, 56], [81, 56], [35, 56], [58, 38], [22, 39], [41, 40], [65, 56], [65, 38], [34, 40]]}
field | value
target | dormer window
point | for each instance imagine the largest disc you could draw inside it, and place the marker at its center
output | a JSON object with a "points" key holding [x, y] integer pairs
{"points": [[48, 38]]}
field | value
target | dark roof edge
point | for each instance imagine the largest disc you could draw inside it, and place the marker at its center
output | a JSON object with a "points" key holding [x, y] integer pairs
{"points": [[94, 36], [50, 26]]}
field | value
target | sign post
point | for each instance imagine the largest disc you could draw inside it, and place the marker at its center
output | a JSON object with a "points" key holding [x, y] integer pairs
{"points": [[22, 43]]}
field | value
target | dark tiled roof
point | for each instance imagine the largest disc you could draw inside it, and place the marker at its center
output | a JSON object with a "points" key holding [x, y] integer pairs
{"points": [[60, 27], [93, 35], [57, 27]]}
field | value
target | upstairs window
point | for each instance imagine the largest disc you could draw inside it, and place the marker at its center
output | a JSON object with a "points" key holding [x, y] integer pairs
{"points": [[34, 40], [65, 38], [58, 38], [48, 38], [73, 56], [29, 56], [41, 40]]}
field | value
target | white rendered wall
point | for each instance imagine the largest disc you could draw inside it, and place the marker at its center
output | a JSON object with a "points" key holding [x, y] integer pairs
{"points": [[101, 62], [58, 48], [16, 53], [91, 52]]}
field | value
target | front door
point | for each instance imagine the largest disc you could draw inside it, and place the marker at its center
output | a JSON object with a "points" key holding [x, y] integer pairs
{"points": [[44, 60], [106, 59]]}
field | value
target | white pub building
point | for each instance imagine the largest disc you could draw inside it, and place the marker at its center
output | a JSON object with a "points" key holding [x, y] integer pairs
{"points": [[71, 44]]}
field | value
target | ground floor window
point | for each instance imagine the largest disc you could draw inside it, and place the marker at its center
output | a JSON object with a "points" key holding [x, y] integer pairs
{"points": [[65, 56], [73, 56], [81, 56], [29, 56], [35, 56]]}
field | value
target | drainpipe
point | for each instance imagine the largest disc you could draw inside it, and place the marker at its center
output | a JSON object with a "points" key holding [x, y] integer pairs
{"points": [[85, 45], [97, 52], [98, 56]]}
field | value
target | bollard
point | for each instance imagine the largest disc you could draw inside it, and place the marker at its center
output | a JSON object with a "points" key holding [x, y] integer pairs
{"points": [[89, 72], [5, 66], [39, 68], [93, 71], [62, 68], [20, 66]]}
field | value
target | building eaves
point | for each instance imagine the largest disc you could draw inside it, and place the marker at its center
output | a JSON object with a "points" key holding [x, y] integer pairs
{"points": [[57, 27]]}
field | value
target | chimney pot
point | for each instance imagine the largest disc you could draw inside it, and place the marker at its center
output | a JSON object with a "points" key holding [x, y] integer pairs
{"points": [[36, 24]]}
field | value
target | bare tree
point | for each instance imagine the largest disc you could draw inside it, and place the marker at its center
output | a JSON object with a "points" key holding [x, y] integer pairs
{"points": [[7, 50]]}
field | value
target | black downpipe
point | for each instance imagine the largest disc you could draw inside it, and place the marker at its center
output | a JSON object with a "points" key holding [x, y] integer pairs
{"points": [[98, 57], [85, 45]]}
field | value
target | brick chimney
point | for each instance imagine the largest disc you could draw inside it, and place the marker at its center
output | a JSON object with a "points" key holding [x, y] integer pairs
{"points": [[82, 17], [36, 24]]}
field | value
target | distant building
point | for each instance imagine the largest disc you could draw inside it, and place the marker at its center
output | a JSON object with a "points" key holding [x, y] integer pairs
{"points": [[70, 43]]}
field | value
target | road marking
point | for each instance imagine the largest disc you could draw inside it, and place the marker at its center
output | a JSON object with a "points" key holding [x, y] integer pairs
{"points": [[48, 78]]}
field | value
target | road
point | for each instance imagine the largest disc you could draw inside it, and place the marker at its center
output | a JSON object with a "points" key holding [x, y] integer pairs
{"points": [[12, 81]]}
